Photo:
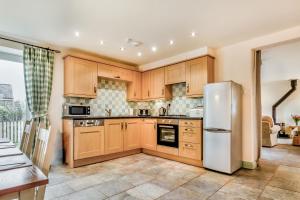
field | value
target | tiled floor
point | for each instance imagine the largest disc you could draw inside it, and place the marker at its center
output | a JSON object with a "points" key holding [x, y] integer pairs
{"points": [[146, 177]]}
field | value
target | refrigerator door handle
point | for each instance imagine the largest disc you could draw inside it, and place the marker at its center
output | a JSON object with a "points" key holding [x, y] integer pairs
{"points": [[217, 130]]}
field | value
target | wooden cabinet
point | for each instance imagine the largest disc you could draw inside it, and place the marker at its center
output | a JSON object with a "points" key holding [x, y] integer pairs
{"points": [[149, 134], [199, 72], [153, 85], [158, 88], [80, 78], [146, 85], [88, 142], [134, 91], [114, 135], [112, 72], [175, 73], [132, 131], [190, 139]]}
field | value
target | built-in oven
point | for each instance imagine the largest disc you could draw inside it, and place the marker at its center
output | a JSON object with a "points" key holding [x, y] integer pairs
{"points": [[167, 132]]}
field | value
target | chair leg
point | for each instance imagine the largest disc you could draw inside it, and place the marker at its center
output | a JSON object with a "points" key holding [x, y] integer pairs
{"points": [[27, 194], [12, 196], [40, 194]]}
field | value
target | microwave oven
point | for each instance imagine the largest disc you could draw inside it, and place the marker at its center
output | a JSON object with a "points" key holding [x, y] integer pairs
{"points": [[76, 110]]}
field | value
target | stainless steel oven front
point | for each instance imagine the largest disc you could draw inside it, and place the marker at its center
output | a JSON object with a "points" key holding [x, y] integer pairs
{"points": [[167, 132]]}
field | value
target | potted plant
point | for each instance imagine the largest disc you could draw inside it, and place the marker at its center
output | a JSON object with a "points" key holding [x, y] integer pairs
{"points": [[296, 119]]}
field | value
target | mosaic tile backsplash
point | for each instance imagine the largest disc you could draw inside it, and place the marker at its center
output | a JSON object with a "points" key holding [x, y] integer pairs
{"points": [[111, 94]]}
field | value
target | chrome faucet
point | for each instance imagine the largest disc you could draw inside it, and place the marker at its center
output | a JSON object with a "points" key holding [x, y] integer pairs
{"points": [[108, 111]]}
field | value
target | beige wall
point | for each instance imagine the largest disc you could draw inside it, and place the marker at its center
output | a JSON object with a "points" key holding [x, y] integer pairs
{"points": [[236, 62]]}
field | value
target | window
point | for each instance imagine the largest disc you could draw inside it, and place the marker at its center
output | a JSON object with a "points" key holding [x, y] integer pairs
{"points": [[12, 96]]}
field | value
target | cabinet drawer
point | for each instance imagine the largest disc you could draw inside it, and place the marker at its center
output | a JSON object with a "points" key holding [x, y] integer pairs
{"points": [[190, 123], [167, 150], [189, 134], [190, 150]]}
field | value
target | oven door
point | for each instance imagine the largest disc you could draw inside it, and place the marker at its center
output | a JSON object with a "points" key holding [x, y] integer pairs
{"points": [[167, 135]]}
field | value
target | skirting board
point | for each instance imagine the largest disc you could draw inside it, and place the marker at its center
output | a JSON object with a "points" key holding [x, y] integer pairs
{"points": [[249, 165], [189, 161], [92, 160]]}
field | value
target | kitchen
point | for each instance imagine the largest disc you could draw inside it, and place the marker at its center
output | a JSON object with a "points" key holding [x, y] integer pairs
{"points": [[161, 114]]}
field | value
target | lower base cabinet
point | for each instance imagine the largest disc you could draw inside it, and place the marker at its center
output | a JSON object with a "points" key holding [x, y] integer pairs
{"points": [[132, 133], [149, 134], [88, 142], [190, 150], [114, 136]]}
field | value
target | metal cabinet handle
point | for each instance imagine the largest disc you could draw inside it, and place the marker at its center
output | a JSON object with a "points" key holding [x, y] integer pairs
{"points": [[148, 93], [85, 132], [122, 125], [163, 91], [95, 89], [189, 146], [117, 77], [134, 93], [125, 125], [154, 126], [188, 88]]}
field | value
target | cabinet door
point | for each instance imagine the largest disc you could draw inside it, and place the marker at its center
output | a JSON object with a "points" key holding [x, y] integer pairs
{"points": [[149, 134], [113, 135], [107, 71], [157, 83], [132, 139], [80, 77], [88, 142], [146, 81], [175, 73], [198, 73], [134, 88]]}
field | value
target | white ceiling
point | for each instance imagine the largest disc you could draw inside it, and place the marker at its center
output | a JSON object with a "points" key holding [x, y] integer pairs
{"points": [[154, 22]]}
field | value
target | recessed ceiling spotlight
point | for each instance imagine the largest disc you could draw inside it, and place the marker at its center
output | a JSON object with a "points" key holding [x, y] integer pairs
{"points": [[101, 42], [76, 33], [122, 48], [154, 48], [193, 34], [171, 42], [139, 54]]}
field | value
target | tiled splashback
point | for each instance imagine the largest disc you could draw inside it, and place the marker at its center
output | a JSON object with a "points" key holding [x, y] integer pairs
{"points": [[112, 95]]}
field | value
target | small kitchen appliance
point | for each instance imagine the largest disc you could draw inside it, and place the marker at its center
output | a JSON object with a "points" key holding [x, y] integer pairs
{"points": [[144, 112], [76, 109], [162, 111]]}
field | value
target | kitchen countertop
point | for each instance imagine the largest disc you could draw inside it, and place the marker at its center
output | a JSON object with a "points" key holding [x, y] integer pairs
{"points": [[130, 116]]}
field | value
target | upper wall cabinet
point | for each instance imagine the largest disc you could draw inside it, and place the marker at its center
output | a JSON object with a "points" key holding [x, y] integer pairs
{"points": [[80, 78], [175, 73], [158, 88], [153, 85], [199, 72], [111, 72], [134, 90], [146, 85]]}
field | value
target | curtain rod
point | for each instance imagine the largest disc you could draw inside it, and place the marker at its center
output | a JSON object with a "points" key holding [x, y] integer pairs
{"points": [[2, 38]]}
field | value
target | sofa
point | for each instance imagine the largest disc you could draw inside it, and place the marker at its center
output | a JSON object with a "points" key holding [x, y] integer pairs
{"points": [[269, 132]]}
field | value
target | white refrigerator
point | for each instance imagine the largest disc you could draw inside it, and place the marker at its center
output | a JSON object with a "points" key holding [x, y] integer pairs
{"points": [[222, 138]]}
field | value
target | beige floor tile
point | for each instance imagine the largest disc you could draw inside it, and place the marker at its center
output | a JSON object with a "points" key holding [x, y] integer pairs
{"points": [[279, 194], [286, 178], [181, 194], [87, 194], [147, 191], [57, 191], [237, 191], [113, 187], [123, 196], [250, 181], [137, 178]]}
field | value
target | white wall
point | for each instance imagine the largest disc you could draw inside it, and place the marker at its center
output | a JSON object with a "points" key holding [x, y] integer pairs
{"points": [[279, 65], [236, 62]]}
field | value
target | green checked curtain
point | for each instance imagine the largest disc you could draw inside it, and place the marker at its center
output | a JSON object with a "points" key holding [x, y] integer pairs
{"points": [[38, 74]]}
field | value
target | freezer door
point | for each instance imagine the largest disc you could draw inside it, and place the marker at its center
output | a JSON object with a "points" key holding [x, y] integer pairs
{"points": [[217, 151], [217, 106]]}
